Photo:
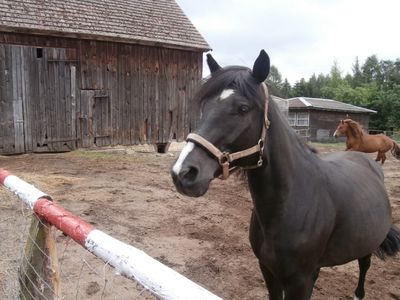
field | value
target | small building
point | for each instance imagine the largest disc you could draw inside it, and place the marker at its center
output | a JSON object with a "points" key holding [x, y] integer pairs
{"points": [[96, 73], [316, 119]]}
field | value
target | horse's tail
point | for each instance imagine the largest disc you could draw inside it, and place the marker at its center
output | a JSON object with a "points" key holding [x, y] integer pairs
{"points": [[395, 150], [391, 245]]}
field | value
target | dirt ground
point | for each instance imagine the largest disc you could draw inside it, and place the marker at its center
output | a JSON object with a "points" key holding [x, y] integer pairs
{"points": [[128, 193]]}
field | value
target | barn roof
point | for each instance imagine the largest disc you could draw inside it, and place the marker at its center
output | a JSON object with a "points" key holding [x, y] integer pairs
{"points": [[326, 104], [149, 22]]}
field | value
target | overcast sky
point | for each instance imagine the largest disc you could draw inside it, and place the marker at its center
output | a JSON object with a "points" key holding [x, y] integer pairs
{"points": [[302, 37]]}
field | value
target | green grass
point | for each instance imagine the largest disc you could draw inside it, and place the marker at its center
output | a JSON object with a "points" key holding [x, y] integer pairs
{"points": [[339, 146], [115, 155]]}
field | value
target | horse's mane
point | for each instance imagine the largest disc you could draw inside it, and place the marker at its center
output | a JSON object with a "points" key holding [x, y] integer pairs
{"points": [[234, 77], [355, 127]]}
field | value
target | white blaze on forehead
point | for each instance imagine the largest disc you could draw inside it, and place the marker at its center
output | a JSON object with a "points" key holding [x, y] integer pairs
{"points": [[185, 152], [225, 94]]}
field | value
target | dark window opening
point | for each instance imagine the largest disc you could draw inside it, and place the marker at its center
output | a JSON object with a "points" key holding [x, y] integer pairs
{"points": [[39, 52]]}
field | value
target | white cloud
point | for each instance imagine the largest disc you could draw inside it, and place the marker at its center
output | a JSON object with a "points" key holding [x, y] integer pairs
{"points": [[302, 37]]}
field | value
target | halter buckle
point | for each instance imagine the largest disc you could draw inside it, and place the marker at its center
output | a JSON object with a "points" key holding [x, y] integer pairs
{"points": [[261, 145], [224, 158]]}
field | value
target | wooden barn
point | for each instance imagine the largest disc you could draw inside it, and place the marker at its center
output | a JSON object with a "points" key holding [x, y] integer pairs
{"points": [[316, 119], [96, 73]]}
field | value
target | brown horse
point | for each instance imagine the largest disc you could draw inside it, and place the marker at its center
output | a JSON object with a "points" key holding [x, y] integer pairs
{"points": [[359, 140]]}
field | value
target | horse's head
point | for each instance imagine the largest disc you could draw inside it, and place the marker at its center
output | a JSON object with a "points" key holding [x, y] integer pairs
{"points": [[342, 128], [348, 127], [231, 128]]}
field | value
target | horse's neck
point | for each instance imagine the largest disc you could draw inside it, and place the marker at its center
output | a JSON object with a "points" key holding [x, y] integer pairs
{"points": [[285, 158], [353, 137]]}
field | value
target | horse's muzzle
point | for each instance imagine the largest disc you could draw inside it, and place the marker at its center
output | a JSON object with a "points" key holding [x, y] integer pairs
{"points": [[187, 183], [336, 134]]}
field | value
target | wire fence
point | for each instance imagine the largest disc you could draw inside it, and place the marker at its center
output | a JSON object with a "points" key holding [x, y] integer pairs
{"points": [[81, 275], [13, 233]]}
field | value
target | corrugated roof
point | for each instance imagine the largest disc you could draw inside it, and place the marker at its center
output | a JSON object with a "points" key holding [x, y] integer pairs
{"points": [[326, 104], [142, 21]]}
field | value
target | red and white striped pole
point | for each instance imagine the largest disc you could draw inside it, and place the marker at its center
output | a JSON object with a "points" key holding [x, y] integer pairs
{"points": [[127, 260]]}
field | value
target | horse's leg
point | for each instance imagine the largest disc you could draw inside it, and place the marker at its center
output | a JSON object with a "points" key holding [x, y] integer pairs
{"points": [[314, 277], [363, 264], [274, 287], [383, 157], [300, 287], [378, 156]]}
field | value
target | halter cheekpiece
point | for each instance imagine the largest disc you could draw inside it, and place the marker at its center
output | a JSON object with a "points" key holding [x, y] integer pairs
{"points": [[225, 158]]}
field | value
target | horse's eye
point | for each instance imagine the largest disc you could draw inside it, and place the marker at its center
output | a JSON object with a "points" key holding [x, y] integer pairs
{"points": [[243, 109]]}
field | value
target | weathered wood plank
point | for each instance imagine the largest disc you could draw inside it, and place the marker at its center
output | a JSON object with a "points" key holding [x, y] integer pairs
{"points": [[133, 103], [86, 136], [73, 103], [17, 100], [41, 105], [126, 73]]}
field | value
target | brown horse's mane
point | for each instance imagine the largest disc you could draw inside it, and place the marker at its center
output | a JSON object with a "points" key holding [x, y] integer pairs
{"points": [[355, 128]]}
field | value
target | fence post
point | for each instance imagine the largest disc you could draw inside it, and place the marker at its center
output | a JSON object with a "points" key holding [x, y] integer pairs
{"points": [[39, 275]]}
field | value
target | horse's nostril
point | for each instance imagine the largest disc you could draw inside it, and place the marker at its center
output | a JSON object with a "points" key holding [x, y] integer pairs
{"points": [[189, 173]]}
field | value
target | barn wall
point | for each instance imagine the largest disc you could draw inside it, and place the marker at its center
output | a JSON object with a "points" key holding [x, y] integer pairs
{"points": [[322, 124], [83, 93], [148, 91]]}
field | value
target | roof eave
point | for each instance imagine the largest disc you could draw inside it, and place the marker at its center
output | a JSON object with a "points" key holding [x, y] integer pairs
{"points": [[105, 38], [334, 110]]}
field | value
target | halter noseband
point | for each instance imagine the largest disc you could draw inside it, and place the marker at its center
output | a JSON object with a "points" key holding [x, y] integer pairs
{"points": [[226, 158]]}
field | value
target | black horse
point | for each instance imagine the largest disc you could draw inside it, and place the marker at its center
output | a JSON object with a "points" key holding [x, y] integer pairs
{"points": [[309, 212]]}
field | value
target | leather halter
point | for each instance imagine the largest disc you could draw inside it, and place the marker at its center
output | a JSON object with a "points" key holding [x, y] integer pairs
{"points": [[226, 158]]}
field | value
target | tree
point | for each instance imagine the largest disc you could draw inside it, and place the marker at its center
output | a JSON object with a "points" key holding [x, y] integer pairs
{"points": [[274, 81], [357, 78], [286, 90], [371, 70], [387, 104], [300, 88], [335, 86], [374, 84]]}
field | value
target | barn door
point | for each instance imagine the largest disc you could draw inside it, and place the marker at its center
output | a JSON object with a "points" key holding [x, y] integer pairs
{"points": [[37, 99], [95, 118], [55, 120]]}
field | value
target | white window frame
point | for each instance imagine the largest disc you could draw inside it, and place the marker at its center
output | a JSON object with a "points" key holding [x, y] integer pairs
{"points": [[299, 119], [302, 119], [292, 118]]}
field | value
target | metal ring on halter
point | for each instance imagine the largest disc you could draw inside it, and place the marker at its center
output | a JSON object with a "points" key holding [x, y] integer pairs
{"points": [[261, 144], [224, 158]]}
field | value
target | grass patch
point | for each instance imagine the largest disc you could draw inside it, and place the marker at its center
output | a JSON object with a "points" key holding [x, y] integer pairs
{"points": [[338, 146], [117, 155]]}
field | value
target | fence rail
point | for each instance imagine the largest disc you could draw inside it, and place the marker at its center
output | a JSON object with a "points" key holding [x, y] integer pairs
{"points": [[126, 259]]}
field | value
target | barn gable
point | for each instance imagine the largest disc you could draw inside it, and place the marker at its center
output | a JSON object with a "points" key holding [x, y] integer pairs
{"points": [[96, 73]]}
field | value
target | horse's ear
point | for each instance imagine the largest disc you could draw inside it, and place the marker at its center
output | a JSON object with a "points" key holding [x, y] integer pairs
{"points": [[212, 64], [261, 67]]}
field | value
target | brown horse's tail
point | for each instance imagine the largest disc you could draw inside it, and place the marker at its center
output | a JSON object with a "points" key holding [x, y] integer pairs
{"points": [[396, 150]]}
